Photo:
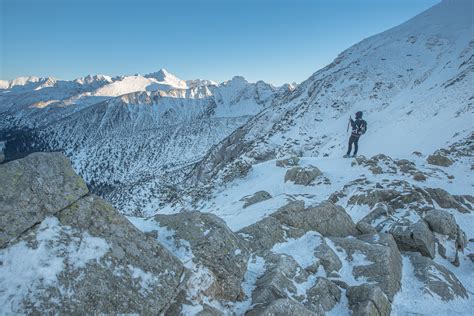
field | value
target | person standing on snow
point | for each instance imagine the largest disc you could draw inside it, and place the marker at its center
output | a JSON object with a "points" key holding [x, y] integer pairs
{"points": [[359, 127]]}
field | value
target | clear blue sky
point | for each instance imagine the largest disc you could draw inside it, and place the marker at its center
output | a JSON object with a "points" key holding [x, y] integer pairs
{"points": [[276, 41]]}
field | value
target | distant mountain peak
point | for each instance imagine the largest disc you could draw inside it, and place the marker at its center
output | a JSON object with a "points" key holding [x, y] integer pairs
{"points": [[164, 76]]}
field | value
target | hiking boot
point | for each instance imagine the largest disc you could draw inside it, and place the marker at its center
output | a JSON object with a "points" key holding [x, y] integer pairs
{"points": [[346, 156], [353, 156]]}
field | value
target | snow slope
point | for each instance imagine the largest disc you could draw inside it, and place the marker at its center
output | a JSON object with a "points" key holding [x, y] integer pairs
{"points": [[413, 83]]}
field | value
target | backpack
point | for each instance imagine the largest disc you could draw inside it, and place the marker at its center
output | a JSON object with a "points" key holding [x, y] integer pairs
{"points": [[362, 128]]}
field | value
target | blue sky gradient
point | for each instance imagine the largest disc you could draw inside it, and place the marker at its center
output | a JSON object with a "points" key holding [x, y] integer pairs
{"points": [[276, 41]]}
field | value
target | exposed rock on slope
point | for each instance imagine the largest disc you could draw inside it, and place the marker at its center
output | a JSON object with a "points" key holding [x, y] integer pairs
{"points": [[69, 252]]}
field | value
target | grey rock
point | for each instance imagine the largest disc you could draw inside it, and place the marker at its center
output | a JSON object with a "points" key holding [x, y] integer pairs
{"points": [[446, 200], [324, 294], [436, 278], [368, 299], [419, 176], [235, 170], [328, 258], [278, 280], [326, 218], [214, 246], [439, 159], [210, 311], [302, 175], [381, 249], [405, 165], [33, 188], [288, 162], [264, 234], [257, 197], [127, 273], [414, 237], [282, 307], [442, 222], [2, 157], [374, 221], [441, 250], [365, 228]]}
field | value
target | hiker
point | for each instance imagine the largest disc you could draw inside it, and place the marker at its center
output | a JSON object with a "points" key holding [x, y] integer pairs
{"points": [[359, 127]]}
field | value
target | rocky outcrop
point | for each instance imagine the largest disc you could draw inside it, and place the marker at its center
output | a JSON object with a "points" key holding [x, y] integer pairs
{"points": [[278, 281], [446, 200], [385, 267], [326, 218], [288, 162], [302, 175], [436, 279], [33, 188], [368, 299], [324, 295], [442, 222], [294, 220], [439, 158], [414, 237], [214, 246], [257, 197], [264, 234], [281, 307], [327, 258], [80, 256]]}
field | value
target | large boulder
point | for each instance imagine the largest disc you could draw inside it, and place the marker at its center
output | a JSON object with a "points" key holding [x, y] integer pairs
{"points": [[264, 234], [302, 175], [439, 159], [214, 246], [294, 220], [288, 162], [384, 266], [257, 197], [436, 278], [136, 275], [446, 200], [368, 299], [81, 256], [326, 218], [414, 237], [281, 307], [327, 257], [324, 295], [442, 222], [33, 188], [282, 273]]}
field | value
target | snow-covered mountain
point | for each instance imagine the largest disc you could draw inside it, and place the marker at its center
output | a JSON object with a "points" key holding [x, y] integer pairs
{"points": [[413, 83], [246, 186], [132, 146]]}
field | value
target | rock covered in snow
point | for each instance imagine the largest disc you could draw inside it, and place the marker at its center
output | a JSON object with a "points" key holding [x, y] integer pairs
{"points": [[326, 218], [414, 237], [442, 222], [384, 266], [324, 295], [281, 307], [288, 162], [436, 279], [368, 299], [302, 175], [257, 197], [439, 159], [33, 188], [80, 256], [214, 246]]}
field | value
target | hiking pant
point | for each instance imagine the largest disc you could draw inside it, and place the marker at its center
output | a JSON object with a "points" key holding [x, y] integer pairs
{"points": [[353, 140]]}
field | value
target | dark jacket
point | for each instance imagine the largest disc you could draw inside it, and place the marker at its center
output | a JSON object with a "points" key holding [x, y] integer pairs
{"points": [[359, 127]]}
